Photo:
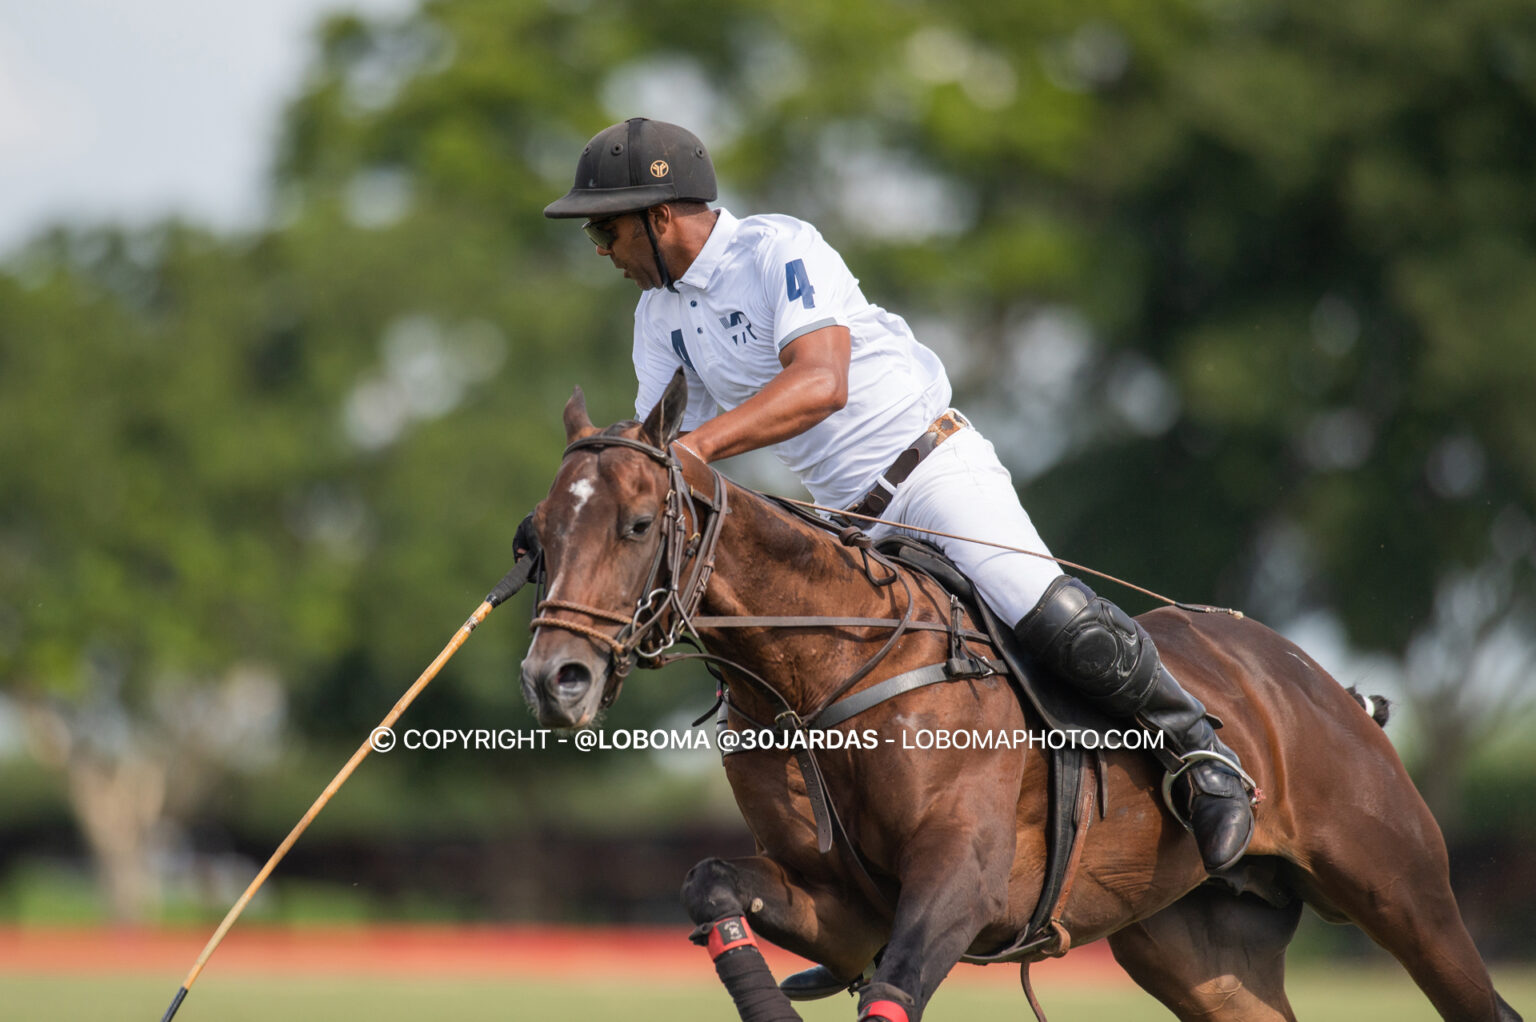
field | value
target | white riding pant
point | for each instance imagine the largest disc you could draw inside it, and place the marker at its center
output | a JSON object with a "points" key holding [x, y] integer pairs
{"points": [[961, 488]]}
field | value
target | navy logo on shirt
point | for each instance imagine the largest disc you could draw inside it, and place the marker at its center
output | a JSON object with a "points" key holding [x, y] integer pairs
{"points": [[681, 349], [737, 319]]}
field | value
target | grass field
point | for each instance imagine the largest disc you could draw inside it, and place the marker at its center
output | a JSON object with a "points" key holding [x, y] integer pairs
{"points": [[1318, 996]]}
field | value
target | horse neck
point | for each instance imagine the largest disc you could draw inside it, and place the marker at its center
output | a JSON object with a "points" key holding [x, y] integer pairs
{"points": [[768, 562]]}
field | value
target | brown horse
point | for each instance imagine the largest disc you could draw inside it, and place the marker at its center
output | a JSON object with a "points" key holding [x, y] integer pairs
{"points": [[944, 851]]}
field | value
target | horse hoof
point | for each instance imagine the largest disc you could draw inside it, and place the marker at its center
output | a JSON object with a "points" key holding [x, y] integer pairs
{"points": [[815, 983]]}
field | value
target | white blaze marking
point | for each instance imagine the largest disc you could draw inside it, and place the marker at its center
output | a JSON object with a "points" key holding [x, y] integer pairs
{"points": [[581, 489]]}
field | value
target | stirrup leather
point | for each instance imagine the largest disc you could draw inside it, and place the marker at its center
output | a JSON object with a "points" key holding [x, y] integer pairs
{"points": [[1189, 759]]}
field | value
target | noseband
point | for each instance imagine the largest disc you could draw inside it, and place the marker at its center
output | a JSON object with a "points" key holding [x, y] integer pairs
{"points": [[661, 611]]}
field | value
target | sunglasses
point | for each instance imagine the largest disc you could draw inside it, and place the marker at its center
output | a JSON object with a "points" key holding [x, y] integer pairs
{"points": [[601, 232]]}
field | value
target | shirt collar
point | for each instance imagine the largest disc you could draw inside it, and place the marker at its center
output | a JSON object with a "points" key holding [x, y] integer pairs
{"points": [[708, 259]]}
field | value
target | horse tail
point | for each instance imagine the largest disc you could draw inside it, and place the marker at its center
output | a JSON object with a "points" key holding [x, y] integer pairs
{"points": [[1379, 707]]}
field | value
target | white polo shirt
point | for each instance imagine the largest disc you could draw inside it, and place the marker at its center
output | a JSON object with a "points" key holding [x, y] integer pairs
{"points": [[759, 283]]}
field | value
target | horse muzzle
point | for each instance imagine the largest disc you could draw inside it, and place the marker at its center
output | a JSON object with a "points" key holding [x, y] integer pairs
{"points": [[565, 691]]}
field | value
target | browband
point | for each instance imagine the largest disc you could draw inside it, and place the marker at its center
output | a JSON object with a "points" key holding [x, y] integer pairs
{"points": [[599, 440]]}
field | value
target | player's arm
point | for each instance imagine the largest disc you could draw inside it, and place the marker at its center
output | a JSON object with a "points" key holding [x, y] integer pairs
{"points": [[812, 385]]}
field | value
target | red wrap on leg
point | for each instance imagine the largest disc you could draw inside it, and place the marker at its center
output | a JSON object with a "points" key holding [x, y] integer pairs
{"points": [[884, 1009], [728, 934]]}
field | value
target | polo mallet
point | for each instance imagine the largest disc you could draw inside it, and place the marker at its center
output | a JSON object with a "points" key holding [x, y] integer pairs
{"points": [[510, 583]]}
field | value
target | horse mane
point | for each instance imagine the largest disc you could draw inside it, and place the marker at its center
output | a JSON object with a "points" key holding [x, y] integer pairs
{"points": [[806, 525]]}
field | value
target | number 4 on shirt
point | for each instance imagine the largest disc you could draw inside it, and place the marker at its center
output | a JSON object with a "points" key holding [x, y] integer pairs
{"points": [[799, 284]]}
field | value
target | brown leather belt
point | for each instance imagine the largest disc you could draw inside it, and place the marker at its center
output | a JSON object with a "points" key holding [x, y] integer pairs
{"points": [[879, 496]]}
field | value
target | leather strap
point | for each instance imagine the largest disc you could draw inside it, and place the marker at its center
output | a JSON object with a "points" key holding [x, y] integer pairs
{"points": [[1071, 809], [816, 791], [852, 705], [1082, 819], [811, 621], [879, 496]]}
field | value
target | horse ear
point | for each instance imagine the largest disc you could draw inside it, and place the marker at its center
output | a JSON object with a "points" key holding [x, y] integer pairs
{"points": [[577, 423], [666, 420]]}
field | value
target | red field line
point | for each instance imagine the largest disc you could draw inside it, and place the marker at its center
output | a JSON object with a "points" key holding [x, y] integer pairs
{"points": [[661, 954]]}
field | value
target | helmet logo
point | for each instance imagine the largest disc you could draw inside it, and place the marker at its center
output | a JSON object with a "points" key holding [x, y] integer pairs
{"points": [[659, 168]]}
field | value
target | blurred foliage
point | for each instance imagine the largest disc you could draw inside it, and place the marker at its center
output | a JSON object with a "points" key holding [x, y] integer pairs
{"points": [[1242, 289]]}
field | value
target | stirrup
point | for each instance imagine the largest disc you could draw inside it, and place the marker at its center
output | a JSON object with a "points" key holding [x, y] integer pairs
{"points": [[1189, 759]]}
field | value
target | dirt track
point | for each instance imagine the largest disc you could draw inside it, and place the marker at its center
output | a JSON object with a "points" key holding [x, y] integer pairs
{"points": [[641, 953]]}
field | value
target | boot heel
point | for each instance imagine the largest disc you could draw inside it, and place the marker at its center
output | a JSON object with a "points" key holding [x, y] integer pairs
{"points": [[1190, 759]]}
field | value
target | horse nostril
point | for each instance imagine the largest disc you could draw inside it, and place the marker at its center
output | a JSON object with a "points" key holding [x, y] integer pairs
{"points": [[572, 680]]}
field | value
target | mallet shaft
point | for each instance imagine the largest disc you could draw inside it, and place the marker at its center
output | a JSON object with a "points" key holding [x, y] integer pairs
{"points": [[511, 583]]}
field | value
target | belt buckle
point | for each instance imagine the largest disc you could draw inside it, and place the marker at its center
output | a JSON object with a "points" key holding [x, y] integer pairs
{"points": [[946, 426]]}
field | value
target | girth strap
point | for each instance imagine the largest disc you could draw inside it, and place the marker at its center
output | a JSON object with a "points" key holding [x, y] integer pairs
{"points": [[890, 688]]}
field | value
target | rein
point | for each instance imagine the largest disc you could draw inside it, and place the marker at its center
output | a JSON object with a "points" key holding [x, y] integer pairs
{"points": [[663, 613], [1198, 608], [678, 551], [667, 610], [670, 611]]}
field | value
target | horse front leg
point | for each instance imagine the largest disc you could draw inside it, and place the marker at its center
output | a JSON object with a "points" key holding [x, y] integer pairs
{"points": [[733, 900], [952, 887]]}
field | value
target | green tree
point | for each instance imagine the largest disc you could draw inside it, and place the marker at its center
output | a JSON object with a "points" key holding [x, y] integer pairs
{"points": [[159, 458], [1325, 214]]}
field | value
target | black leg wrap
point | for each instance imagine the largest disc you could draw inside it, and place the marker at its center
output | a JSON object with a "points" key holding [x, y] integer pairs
{"points": [[740, 966]]}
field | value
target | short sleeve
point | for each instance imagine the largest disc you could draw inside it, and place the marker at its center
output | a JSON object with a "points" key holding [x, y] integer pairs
{"points": [[807, 283]]}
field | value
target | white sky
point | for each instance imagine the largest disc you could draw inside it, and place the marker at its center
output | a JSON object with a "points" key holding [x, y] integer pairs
{"points": [[126, 110]]}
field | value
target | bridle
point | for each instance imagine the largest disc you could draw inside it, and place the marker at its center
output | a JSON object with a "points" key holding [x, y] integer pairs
{"points": [[665, 612], [662, 611]]}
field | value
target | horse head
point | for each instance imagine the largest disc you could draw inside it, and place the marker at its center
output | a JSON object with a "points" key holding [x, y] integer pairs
{"points": [[606, 529]]}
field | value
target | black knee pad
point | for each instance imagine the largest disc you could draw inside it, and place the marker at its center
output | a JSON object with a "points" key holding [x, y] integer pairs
{"points": [[1092, 645]]}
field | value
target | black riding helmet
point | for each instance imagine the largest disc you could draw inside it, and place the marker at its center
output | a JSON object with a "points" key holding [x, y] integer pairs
{"points": [[636, 165], [633, 166]]}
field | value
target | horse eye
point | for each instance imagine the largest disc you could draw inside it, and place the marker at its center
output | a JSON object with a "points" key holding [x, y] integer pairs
{"points": [[640, 526]]}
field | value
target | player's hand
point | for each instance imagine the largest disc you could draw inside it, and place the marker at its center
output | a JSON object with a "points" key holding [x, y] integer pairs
{"points": [[525, 541]]}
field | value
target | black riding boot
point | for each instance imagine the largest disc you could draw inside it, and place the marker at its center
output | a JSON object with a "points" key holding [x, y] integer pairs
{"points": [[1215, 797], [1096, 647]]}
